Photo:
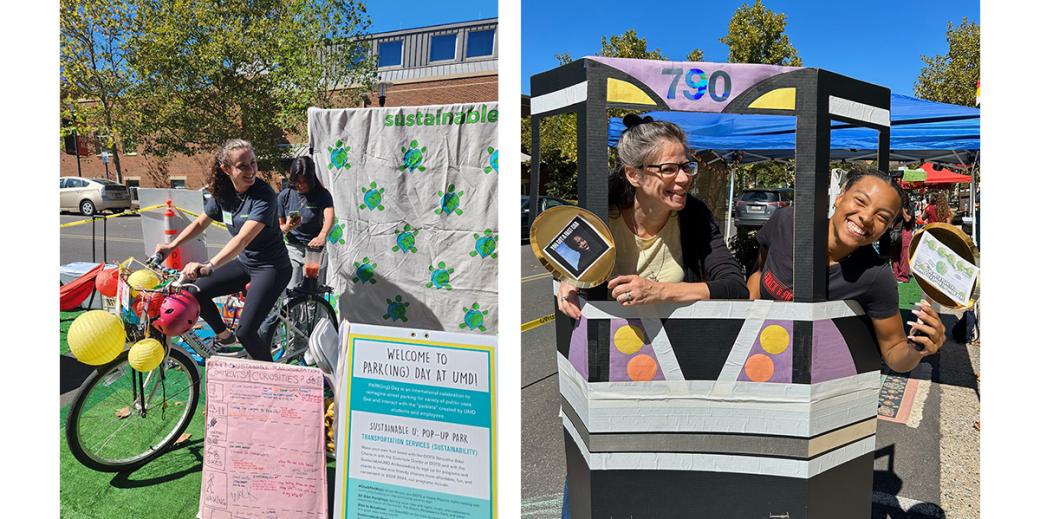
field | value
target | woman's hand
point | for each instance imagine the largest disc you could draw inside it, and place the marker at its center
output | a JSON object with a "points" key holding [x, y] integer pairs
{"points": [[633, 290], [317, 243], [195, 270], [928, 323], [567, 299], [164, 248]]}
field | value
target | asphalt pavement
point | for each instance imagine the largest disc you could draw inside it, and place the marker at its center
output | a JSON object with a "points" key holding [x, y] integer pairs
{"points": [[123, 239], [926, 467]]}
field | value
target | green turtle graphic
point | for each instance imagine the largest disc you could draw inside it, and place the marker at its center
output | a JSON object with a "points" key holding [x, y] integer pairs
{"points": [[485, 245], [364, 272], [413, 157], [450, 201], [440, 276], [406, 239], [336, 233], [338, 156], [395, 309], [372, 197], [474, 319], [492, 160]]}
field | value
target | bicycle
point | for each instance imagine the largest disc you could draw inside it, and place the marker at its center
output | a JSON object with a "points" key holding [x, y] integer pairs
{"points": [[122, 419]]}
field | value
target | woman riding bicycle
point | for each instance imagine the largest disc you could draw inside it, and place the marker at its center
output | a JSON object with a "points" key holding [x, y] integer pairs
{"points": [[305, 215], [254, 255]]}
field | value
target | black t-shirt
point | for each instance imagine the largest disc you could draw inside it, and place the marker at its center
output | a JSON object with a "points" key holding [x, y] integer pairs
{"points": [[258, 203], [862, 277], [310, 205]]}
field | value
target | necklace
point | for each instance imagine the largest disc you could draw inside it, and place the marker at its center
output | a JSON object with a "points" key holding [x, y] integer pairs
{"points": [[651, 257]]}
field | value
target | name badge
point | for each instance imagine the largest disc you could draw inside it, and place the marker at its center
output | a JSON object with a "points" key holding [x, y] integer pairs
{"points": [[227, 217]]}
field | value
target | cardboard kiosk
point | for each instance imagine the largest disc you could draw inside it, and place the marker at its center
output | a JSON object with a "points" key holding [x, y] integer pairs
{"points": [[721, 409]]}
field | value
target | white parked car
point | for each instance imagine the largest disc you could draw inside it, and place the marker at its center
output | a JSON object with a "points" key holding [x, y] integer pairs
{"points": [[91, 195]]}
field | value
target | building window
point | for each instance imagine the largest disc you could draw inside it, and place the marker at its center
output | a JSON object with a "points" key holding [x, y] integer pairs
{"points": [[390, 53], [442, 47], [179, 182], [480, 43]]}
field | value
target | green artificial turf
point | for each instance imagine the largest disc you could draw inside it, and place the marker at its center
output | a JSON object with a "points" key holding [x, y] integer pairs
{"points": [[168, 487], [909, 293]]}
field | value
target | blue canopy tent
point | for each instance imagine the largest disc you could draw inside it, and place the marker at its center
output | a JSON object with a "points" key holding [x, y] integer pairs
{"points": [[921, 130]]}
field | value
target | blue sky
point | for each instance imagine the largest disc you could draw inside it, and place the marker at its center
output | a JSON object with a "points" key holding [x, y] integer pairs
{"points": [[881, 41], [390, 15]]}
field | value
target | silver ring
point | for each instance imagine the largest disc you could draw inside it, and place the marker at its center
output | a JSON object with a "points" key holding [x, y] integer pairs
{"points": [[628, 296]]}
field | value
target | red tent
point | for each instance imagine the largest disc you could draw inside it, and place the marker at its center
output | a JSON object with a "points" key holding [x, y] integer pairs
{"points": [[934, 176], [74, 293]]}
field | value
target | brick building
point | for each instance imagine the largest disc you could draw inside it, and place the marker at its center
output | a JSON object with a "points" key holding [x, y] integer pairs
{"points": [[440, 64]]}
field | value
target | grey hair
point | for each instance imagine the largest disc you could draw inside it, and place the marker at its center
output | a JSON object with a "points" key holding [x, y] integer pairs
{"points": [[643, 140], [637, 143]]}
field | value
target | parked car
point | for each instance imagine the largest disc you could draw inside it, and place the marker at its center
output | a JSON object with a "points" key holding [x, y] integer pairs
{"points": [[91, 195], [544, 202], [754, 207]]}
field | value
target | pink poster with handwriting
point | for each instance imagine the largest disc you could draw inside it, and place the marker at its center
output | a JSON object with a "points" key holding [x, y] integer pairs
{"points": [[264, 448]]}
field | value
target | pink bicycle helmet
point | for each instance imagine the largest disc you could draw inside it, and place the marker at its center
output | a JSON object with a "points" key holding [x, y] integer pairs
{"points": [[178, 314]]}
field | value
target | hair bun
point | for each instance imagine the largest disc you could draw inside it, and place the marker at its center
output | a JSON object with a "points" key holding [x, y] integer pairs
{"points": [[632, 120]]}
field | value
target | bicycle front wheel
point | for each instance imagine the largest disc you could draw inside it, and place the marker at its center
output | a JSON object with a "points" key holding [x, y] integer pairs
{"points": [[294, 327], [123, 418]]}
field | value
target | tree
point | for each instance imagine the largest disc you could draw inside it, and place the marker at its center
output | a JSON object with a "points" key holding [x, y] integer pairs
{"points": [[756, 35], [952, 77], [96, 75], [628, 45], [212, 70]]}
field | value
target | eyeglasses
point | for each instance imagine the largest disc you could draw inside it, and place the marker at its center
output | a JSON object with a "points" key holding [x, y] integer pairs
{"points": [[669, 170]]}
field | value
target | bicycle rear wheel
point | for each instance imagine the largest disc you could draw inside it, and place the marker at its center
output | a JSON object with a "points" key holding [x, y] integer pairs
{"points": [[293, 330], [122, 418]]}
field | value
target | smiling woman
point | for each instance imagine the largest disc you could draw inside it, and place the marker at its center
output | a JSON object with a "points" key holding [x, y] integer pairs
{"points": [[862, 213], [669, 248]]}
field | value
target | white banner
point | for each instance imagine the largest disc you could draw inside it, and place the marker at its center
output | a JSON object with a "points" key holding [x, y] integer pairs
{"points": [[415, 242]]}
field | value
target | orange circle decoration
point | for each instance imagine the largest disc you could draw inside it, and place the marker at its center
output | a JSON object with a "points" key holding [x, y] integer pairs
{"points": [[774, 339], [628, 339], [759, 368], [642, 367]]}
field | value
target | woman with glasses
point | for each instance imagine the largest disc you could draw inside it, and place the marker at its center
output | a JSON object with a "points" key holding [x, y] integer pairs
{"points": [[669, 248]]}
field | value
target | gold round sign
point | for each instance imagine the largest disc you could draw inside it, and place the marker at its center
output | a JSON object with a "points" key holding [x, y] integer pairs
{"points": [[573, 244], [953, 240]]}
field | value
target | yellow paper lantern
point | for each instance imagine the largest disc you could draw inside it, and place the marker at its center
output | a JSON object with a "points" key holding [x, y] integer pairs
{"points": [[143, 279], [96, 337], [146, 355]]}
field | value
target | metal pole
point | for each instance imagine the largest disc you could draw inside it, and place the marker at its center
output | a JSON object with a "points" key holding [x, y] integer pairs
{"points": [[93, 240], [729, 206]]}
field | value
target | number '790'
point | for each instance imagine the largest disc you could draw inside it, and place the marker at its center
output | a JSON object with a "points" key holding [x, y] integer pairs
{"points": [[698, 83]]}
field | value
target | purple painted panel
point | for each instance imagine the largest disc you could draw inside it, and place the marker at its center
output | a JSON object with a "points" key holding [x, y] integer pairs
{"points": [[695, 86], [619, 360], [579, 352], [782, 361], [831, 358]]}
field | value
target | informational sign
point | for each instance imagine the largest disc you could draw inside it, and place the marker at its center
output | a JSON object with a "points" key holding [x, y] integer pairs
{"points": [[416, 434], [944, 269], [264, 447]]}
